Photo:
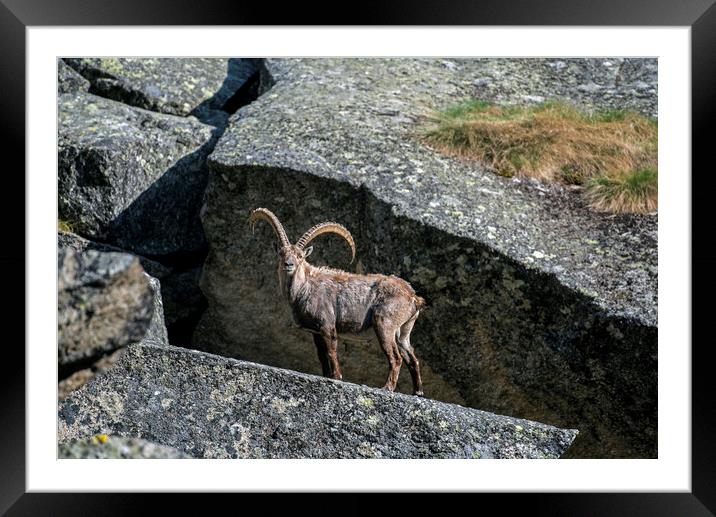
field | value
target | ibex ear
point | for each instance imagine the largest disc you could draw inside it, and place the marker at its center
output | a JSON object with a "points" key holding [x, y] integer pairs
{"points": [[308, 251]]}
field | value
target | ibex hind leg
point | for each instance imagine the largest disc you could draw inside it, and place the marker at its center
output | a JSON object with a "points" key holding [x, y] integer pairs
{"points": [[386, 338], [406, 350]]}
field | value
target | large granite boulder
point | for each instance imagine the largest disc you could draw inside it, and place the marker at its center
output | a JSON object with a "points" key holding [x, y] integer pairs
{"points": [[185, 86], [130, 177], [537, 307], [215, 407], [105, 301]]}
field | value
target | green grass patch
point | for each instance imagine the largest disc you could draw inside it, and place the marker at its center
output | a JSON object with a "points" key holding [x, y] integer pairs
{"points": [[630, 191], [555, 141]]}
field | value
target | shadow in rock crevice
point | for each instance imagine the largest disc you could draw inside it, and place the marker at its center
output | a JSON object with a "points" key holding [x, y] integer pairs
{"points": [[164, 219], [163, 223], [240, 87]]}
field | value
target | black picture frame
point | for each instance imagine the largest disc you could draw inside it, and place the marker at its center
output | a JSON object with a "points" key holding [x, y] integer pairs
{"points": [[700, 15]]}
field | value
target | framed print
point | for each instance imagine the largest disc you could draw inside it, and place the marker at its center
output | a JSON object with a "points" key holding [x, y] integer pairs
{"points": [[259, 228]]}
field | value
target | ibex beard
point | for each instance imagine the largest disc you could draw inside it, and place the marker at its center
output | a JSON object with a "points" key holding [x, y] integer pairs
{"points": [[331, 303]]}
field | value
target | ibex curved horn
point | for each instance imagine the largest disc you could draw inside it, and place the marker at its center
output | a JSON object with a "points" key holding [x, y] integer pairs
{"points": [[328, 227], [269, 217]]}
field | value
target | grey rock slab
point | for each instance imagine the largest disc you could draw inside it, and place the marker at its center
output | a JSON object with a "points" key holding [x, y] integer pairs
{"points": [[130, 177], [215, 407], [177, 86], [105, 301], [637, 71], [157, 330], [156, 333], [68, 80], [538, 307], [116, 447]]}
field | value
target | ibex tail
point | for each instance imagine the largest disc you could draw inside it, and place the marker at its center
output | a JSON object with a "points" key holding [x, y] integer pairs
{"points": [[419, 302]]}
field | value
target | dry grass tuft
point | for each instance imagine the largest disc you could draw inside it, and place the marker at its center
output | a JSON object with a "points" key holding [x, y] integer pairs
{"points": [[556, 142]]}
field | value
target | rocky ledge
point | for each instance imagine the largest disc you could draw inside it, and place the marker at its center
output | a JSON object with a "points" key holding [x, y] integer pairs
{"points": [[105, 301], [538, 307], [215, 407]]}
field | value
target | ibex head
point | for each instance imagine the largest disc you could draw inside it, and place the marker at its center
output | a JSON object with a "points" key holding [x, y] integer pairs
{"points": [[293, 256]]}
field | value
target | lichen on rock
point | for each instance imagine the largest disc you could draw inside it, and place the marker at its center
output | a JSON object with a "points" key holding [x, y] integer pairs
{"points": [[68, 80], [115, 447], [224, 408]]}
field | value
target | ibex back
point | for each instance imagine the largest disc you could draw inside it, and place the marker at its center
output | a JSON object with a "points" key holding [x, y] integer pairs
{"points": [[332, 303]]}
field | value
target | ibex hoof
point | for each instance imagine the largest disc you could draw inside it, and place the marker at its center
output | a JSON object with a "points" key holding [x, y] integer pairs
{"points": [[419, 394]]}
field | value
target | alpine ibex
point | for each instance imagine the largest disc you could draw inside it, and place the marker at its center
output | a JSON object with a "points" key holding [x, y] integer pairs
{"points": [[332, 303]]}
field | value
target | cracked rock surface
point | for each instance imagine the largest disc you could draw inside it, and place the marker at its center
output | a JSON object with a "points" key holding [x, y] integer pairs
{"points": [[130, 177], [538, 307], [215, 407], [187, 86]]}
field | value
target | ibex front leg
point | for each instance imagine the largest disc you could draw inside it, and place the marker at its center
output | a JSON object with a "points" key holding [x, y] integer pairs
{"points": [[328, 340], [322, 352]]}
